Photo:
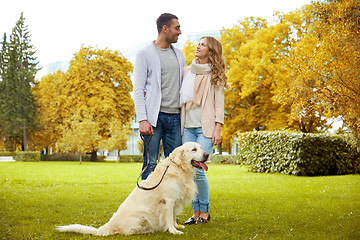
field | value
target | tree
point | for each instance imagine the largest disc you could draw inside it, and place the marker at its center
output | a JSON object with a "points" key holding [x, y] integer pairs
{"points": [[19, 67], [189, 52], [50, 112], [119, 138], [324, 65], [336, 61], [297, 90], [79, 133], [89, 106], [3, 70], [253, 52]]}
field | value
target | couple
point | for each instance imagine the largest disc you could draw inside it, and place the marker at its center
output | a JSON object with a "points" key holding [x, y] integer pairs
{"points": [[178, 104]]}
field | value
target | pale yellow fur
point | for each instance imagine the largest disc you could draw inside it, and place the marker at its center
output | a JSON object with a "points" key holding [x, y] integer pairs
{"points": [[154, 210]]}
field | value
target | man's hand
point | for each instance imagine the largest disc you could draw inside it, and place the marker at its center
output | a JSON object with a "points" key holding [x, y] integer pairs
{"points": [[145, 128]]}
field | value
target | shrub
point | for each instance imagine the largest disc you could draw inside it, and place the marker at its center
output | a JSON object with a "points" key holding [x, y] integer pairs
{"points": [[27, 156], [224, 159], [7, 154], [298, 153], [131, 158], [70, 157]]}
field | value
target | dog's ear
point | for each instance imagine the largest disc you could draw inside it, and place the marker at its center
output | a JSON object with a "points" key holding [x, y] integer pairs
{"points": [[178, 155]]}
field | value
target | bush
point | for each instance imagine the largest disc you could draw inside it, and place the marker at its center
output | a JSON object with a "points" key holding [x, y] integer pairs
{"points": [[224, 159], [298, 153], [7, 154], [131, 158], [27, 156], [70, 157]]}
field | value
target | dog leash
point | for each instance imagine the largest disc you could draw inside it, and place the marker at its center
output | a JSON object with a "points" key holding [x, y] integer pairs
{"points": [[148, 161]]}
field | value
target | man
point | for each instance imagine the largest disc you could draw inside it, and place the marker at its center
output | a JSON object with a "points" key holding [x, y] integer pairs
{"points": [[158, 75]]}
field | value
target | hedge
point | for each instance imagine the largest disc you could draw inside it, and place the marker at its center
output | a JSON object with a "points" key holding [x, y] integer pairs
{"points": [[7, 153], [298, 154], [70, 157], [224, 159], [131, 158], [27, 156]]}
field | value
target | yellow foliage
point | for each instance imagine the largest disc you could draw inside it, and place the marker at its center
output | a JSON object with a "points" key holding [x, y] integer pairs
{"points": [[119, 136], [50, 113], [252, 52], [79, 133], [189, 52], [323, 64], [90, 105]]}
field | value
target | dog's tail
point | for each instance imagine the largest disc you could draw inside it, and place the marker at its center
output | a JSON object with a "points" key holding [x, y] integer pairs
{"points": [[78, 228]]}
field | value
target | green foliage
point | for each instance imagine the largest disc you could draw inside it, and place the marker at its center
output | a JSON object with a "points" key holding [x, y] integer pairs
{"points": [[18, 69], [299, 153], [7, 153], [27, 156], [130, 158], [70, 157], [224, 159]]}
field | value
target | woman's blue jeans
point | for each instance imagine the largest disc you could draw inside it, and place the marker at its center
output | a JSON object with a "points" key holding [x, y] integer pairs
{"points": [[201, 203], [169, 131]]}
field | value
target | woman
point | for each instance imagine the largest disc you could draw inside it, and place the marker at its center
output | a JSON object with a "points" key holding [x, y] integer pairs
{"points": [[202, 112]]}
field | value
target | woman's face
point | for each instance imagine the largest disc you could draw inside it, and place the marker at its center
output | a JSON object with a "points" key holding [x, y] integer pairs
{"points": [[202, 51]]}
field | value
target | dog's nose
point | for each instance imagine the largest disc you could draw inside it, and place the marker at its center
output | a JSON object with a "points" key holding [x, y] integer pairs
{"points": [[206, 155]]}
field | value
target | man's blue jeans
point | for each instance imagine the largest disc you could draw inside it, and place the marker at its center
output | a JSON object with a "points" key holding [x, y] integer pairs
{"points": [[168, 130], [201, 203]]}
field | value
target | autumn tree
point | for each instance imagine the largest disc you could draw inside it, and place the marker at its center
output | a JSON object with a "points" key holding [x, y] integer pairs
{"points": [[253, 51], [119, 138], [337, 62], [79, 133], [51, 112], [89, 106], [324, 65], [18, 69], [189, 52], [306, 109]]}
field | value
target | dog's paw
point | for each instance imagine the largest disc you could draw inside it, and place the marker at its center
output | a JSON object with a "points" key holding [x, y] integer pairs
{"points": [[174, 231]]}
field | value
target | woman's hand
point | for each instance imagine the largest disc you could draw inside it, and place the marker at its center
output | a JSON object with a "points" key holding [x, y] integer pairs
{"points": [[216, 137]]}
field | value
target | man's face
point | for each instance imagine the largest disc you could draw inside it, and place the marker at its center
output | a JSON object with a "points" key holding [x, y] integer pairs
{"points": [[173, 32]]}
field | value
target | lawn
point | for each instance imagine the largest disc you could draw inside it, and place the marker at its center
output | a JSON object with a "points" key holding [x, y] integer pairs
{"points": [[36, 197]]}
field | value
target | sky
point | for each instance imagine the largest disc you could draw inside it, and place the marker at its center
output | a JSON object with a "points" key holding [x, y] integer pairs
{"points": [[59, 28]]}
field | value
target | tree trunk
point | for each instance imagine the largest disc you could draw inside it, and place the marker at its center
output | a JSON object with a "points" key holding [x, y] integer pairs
{"points": [[80, 157], [93, 156], [118, 157], [24, 136]]}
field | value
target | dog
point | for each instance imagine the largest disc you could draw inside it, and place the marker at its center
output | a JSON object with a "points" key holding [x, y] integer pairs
{"points": [[155, 210]]}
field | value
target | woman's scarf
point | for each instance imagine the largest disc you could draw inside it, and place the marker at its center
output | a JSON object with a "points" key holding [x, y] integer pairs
{"points": [[191, 90]]}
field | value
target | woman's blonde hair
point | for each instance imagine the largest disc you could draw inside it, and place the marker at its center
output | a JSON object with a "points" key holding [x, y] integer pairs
{"points": [[217, 62]]}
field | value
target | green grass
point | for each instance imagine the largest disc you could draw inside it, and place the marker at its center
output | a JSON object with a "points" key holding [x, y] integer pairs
{"points": [[36, 197]]}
